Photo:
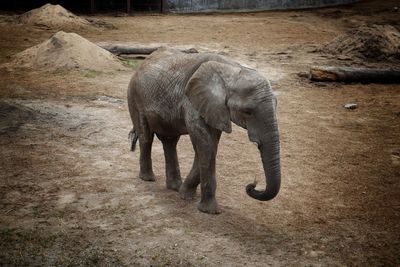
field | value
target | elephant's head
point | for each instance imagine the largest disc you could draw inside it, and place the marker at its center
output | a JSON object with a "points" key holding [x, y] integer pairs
{"points": [[222, 93]]}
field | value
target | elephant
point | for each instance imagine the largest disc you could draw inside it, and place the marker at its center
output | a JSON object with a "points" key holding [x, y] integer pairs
{"points": [[174, 93]]}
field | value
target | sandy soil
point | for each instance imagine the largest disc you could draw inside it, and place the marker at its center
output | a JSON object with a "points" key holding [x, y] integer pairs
{"points": [[69, 193]]}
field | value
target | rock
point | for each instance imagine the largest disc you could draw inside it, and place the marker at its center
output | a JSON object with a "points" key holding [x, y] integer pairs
{"points": [[350, 106]]}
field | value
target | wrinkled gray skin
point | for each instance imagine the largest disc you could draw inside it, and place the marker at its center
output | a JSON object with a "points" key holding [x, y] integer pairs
{"points": [[174, 93]]}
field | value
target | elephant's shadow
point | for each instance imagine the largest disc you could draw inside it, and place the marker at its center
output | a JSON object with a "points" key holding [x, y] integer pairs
{"points": [[231, 223]]}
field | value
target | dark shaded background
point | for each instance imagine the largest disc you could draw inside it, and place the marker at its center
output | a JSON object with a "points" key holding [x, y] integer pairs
{"points": [[81, 6]]}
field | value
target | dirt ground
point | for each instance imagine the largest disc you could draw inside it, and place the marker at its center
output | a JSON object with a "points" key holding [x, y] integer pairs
{"points": [[69, 194]]}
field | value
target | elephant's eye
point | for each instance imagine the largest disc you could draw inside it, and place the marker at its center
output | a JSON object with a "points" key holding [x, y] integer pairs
{"points": [[246, 111]]}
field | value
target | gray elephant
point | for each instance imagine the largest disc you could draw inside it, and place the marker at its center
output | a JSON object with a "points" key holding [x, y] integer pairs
{"points": [[175, 93]]}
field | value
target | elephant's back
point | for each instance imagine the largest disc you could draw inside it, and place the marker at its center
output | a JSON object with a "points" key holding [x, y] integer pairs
{"points": [[161, 77], [157, 87]]}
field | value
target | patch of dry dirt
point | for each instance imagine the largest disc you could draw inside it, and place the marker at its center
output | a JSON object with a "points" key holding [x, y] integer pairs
{"points": [[69, 193]]}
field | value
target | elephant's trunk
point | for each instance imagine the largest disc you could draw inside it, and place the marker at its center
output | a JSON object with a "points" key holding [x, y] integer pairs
{"points": [[268, 144]]}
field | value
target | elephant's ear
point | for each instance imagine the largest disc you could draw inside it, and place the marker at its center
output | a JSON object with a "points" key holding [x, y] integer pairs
{"points": [[207, 90]]}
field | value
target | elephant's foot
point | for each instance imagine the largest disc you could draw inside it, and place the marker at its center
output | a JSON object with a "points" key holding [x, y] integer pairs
{"points": [[187, 193], [150, 177], [174, 184], [209, 207]]}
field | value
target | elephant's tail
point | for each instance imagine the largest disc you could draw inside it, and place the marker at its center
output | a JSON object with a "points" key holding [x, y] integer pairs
{"points": [[132, 137]]}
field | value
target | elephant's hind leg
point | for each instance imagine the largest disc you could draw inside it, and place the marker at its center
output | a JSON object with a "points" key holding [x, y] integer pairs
{"points": [[173, 173], [189, 186], [145, 141]]}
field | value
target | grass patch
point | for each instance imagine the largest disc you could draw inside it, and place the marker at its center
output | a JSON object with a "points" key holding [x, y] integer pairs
{"points": [[130, 63], [92, 74]]}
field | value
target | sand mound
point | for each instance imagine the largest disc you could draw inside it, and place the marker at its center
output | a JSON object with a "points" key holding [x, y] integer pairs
{"points": [[52, 16], [379, 42], [68, 51]]}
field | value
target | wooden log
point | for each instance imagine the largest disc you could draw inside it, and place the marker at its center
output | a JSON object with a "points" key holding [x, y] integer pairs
{"points": [[122, 49], [349, 75], [132, 56]]}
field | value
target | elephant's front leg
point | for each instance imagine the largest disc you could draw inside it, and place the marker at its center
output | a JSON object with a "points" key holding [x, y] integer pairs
{"points": [[206, 145], [208, 183], [173, 173]]}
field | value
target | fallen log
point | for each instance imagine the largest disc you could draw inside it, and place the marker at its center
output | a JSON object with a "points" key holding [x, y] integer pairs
{"points": [[132, 56], [123, 49], [349, 75]]}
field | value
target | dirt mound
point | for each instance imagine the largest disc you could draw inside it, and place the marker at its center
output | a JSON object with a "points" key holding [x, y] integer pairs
{"points": [[376, 42], [52, 16], [68, 51]]}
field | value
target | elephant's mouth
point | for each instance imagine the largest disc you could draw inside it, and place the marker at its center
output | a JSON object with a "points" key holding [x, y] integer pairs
{"points": [[253, 137], [257, 144]]}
